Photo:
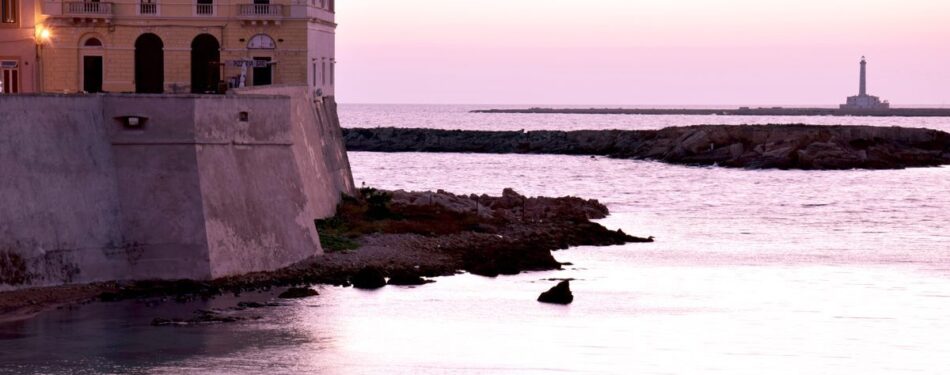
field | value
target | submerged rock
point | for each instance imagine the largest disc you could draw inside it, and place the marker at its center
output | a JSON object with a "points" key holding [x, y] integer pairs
{"points": [[407, 279], [202, 317], [559, 294], [294, 293], [368, 278]]}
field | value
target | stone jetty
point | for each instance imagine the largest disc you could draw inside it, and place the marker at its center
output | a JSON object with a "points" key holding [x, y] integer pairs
{"points": [[739, 146]]}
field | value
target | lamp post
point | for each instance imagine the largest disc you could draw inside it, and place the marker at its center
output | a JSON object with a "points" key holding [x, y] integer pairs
{"points": [[41, 37]]}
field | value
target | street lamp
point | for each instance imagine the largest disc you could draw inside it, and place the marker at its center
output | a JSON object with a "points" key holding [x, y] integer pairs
{"points": [[41, 36]]}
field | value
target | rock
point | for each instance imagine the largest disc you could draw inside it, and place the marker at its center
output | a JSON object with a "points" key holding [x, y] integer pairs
{"points": [[256, 305], [368, 278], [407, 279], [202, 317], [559, 294], [294, 293]]}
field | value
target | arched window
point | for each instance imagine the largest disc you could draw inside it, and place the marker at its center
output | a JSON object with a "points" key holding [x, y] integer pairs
{"points": [[92, 42], [261, 41]]}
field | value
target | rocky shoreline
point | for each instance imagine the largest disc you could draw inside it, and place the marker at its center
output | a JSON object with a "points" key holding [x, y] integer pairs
{"points": [[808, 147], [395, 236], [742, 111]]}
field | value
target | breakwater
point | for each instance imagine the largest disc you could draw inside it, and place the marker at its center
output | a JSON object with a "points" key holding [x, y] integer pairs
{"points": [[744, 111], [741, 146]]}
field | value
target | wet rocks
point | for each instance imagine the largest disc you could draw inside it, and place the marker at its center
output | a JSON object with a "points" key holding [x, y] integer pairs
{"points": [[368, 278], [559, 294], [297, 293]]}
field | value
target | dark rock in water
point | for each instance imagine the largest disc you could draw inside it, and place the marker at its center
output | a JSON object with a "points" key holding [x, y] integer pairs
{"points": [[256, 305], [202, 317], [368, 278], [293, 293], [407, 279], [560, 294]]}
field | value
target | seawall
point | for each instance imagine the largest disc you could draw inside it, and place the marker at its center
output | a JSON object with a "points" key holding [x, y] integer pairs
{"points": [[129, 187], [743, 146]]}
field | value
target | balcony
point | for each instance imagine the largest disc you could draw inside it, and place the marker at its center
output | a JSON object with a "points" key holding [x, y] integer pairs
{"points": [[148, 9], [89, 11], [253, 13], [204, 9]]}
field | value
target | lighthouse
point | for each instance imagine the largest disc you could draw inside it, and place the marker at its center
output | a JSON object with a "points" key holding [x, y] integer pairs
{"points": [[863, 91], [863, 101]]}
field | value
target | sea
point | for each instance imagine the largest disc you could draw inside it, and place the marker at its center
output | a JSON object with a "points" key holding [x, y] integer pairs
{"points": [[752, 272]]}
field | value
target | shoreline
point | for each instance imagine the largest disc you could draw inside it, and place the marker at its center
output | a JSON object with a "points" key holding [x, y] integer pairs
{"points": [[743, 111], [808, 147], [402, 236]]}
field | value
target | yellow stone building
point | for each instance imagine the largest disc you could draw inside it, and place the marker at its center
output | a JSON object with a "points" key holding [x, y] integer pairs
{"points": [[186, 46]]}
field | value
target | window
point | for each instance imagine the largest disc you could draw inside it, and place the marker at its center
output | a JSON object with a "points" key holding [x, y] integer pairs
{"points": [[314, 74], [9, 77], [323, 73], [261, 41], [92, 42], [8, 11], [148, 7], [331, 5], [332, 71], [205, 7]]}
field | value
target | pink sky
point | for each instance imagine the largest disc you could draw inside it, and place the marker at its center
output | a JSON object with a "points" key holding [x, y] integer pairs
{"points": [[687, 52]]}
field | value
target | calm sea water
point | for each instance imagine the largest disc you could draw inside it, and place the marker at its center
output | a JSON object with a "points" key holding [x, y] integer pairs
{"points": [[458, 117], [777, 272]]}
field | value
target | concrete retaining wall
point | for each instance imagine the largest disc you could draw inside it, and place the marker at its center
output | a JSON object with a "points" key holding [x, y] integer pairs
{"points": [[206, 187]]}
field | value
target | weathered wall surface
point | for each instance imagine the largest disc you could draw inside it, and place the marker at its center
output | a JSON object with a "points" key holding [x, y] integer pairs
{"points": [[159, 191], [321, 152], [195, 192], [58, 212]]}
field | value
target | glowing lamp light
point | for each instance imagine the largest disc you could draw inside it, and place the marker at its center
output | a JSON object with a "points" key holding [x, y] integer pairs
{"points": [[42, 34]]}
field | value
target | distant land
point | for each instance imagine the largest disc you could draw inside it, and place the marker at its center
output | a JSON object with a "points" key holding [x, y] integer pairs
{"points": [[741, 111]]}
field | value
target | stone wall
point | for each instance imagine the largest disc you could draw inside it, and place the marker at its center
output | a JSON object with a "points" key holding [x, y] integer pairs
{"points": [[194, 192]]}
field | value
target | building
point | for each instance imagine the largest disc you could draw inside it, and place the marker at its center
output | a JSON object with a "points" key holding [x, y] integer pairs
{"points": [[166, 46], [18, 37], [863, 100]]}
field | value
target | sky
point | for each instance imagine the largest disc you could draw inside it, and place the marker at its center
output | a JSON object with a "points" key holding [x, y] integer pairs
{"points": [[638, 52]]}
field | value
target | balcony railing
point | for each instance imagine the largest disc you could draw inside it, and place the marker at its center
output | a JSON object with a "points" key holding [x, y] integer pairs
{"points": [[204, 9], [260, 11], [87, 8], [148, 8]]}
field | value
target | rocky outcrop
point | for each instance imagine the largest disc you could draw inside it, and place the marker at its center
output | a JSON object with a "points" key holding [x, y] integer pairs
{"points": [[739, 146], [368, 278], [405, 236], [559, 294], [297, 293]]}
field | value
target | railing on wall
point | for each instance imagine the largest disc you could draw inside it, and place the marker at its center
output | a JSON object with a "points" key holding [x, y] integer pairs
{"points": [[204, 9], [87, 8], [260, 10], [148, 8]]}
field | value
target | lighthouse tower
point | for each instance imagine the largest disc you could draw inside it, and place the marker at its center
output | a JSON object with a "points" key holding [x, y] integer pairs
{"points": [[863, 101]]}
